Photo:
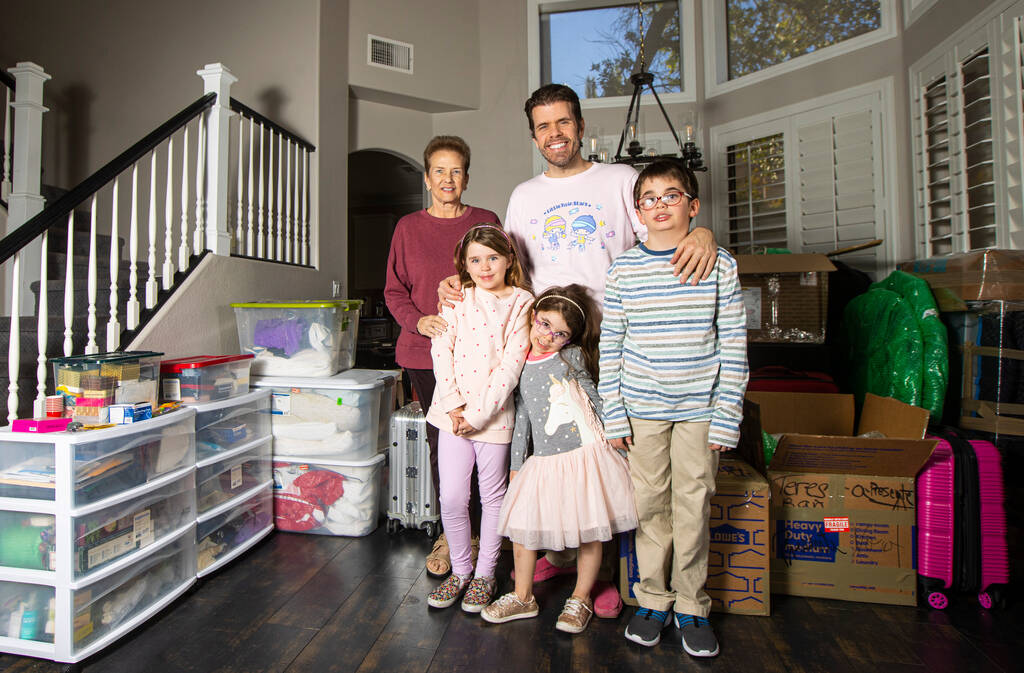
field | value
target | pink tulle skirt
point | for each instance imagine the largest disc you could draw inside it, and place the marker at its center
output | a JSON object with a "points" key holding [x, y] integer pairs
{"points": [[570, 498]]}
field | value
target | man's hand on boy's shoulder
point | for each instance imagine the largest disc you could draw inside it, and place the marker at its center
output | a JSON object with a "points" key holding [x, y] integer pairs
{"points": [[695, 257]]}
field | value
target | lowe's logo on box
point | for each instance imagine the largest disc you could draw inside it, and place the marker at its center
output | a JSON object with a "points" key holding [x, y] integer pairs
{"points": [[727, 534], [806, 541]]}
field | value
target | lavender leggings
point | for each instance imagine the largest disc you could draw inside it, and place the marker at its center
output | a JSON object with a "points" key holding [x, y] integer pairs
{"points": [[456, 457]]}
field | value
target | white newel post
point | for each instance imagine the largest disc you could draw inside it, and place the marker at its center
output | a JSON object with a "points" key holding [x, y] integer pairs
{"points": [[217, 79], [25, 200]]}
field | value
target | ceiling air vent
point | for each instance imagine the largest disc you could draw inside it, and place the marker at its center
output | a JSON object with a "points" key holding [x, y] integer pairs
{"points": [[384, 52]]}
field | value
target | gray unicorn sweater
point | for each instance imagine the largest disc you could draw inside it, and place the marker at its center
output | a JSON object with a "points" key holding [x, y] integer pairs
{"points": [[545, 412]]}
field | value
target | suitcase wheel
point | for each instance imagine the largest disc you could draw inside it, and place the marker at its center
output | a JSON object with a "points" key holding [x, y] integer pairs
{"points": [[938, 600], [431, 529], [392, 526]]}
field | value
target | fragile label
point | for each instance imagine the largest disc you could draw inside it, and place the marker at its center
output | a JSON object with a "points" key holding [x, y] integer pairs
{"points": [[752, 304], [837, 524]]}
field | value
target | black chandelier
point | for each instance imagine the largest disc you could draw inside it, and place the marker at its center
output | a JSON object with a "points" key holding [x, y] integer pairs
{"points": [[688, 152]]}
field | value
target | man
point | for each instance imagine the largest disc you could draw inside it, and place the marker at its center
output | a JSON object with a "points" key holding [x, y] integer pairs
{"points": [[568, 224]]}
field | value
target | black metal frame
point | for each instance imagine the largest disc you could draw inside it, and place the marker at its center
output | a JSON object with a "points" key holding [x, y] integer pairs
{"points": [[688, 152]]}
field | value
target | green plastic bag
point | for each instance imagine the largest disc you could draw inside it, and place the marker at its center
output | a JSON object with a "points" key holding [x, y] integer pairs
{"points": [[770, 444], [882, 347], [935, 344]]}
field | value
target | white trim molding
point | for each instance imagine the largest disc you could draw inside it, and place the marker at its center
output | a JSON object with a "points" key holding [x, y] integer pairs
{"points": [[914, 10], [716, 58]]}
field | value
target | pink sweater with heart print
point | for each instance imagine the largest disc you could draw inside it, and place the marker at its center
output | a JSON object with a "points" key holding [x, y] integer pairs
{"points": [[478, 360]]}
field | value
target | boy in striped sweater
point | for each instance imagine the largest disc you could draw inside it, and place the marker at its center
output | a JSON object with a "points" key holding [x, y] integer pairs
{"points": [[673, 370]]}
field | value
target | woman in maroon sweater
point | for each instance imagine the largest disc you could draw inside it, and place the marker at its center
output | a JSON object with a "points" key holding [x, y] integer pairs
{"points": [[422, 254]]}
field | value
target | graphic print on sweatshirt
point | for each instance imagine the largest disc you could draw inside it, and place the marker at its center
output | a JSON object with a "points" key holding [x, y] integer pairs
{"points": [[572, 226], [562, 409]]}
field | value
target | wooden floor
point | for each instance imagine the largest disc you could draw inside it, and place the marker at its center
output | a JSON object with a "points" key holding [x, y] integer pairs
{"points": [[307, 603]]}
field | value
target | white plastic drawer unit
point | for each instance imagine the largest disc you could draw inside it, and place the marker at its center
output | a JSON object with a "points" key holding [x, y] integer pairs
{"points": [[28, 540], [225, 532], [227, 424], [225, 476], [333, 418]]}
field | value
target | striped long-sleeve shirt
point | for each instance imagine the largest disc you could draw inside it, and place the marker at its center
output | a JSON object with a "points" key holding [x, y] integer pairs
{"points": [[673, 351]]}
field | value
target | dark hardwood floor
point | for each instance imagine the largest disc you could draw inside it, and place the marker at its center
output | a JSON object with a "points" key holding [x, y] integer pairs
{"points": [[307, 603]]}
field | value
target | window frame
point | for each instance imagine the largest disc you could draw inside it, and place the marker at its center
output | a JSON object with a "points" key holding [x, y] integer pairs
{"points": [[687, 17], [716, 46], [914, 10]]}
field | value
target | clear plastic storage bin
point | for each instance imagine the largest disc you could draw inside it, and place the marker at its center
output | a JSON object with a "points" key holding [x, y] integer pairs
{"points": [[227, 424], [299, 338], [387, 406], [228, 475], [112, 378], [223, 536], [327, 497], [25, 611], [204, 378], [333, 418]]}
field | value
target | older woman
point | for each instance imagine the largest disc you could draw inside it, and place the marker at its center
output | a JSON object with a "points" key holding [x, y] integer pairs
{"points": [[421, 256]]}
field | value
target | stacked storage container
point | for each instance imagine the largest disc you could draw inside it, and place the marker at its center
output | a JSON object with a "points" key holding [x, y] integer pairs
{"points": [[233, 483], [97, 533]]}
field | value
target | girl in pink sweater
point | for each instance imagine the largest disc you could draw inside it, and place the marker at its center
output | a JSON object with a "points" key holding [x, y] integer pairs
{"points": [[477, 362]]}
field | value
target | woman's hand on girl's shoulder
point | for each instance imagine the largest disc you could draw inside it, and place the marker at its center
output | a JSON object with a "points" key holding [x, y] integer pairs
{"points": [[449, 292], [431, 326]]}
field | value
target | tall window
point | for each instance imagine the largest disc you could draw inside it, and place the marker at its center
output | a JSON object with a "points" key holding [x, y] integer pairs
{"points": [[763, 33], [757, 194]]}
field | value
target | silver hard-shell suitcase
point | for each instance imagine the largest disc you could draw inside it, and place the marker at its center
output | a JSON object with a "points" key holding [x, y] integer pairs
{"points": [[412, 501]]}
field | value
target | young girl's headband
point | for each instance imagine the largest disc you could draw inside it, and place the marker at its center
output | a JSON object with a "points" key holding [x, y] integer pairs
{"points": [[558, 296], [488, 226]]}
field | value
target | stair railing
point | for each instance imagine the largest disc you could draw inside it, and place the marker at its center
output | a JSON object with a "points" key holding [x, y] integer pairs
{"points": [[278, 232], [8, 84]]}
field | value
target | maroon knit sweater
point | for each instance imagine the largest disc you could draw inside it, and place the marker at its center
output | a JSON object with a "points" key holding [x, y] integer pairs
{"points": [[422, 254]]}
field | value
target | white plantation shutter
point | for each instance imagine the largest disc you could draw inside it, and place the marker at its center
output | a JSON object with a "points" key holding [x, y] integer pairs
{"points": [[936, 220], [977, 158], [838, 175], [1008, 77], [757, 194]]}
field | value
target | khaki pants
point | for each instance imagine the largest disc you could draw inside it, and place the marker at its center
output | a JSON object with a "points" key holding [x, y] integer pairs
{"points": [[673, 474]]}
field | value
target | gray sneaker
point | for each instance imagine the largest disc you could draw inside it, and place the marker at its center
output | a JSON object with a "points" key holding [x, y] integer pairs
{"points": [[698, 637], [645, 626]]}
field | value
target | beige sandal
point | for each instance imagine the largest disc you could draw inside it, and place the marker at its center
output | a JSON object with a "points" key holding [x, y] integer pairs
{"points": [[439, 561]]}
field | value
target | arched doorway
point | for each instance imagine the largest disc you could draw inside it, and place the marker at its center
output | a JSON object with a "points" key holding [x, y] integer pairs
{"points": [[382, 187]]}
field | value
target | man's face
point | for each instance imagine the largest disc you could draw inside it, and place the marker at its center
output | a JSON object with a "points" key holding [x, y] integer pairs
{"points": [[556, 133]]}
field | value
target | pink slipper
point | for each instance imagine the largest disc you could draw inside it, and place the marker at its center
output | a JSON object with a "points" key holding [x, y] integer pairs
{"points": [[607, 602], [545, 570]]}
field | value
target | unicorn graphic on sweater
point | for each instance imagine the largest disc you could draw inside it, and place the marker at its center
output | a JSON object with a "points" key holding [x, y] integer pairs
{"points": [[563, 408]]}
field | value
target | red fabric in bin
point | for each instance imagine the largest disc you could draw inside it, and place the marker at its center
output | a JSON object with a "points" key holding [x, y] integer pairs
{"points": [[321, 484]]}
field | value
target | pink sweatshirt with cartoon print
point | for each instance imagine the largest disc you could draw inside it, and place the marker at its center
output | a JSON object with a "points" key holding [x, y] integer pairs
{"points": [[478, 360]]}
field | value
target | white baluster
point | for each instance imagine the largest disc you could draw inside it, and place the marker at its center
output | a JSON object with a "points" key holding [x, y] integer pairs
{"points": [[297, 222], [183, 245], [69, 287], [198, 244], [305, 206], [14, 343], [132, 309], [261, 215], [90, 344], [113, 326], [249, 235], [270, 195], [151, 286], [239, 234], [279, 253], [5, 177], [168, 269], [42, 330], [288, 201]]}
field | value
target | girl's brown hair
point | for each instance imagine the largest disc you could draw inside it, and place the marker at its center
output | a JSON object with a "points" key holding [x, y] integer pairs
{"points": [[495, 238], [580, 313]]}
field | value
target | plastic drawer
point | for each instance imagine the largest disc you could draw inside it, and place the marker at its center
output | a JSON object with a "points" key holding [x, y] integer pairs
{"points": [[122, 461], [224, 535], [226, 477], [28, 541], [27, 611], [227, 424], [104, 606], [27, 469], [111, 533], [327, 497]]}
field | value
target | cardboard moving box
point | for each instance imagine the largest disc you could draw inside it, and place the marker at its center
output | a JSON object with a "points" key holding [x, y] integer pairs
{"points": [[971, 276], [843, 518], [786, 296], [738, 556]]}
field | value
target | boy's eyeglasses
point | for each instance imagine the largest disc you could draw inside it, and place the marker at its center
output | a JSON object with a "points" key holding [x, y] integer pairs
{"points": [[544, 327], [668, 198]]}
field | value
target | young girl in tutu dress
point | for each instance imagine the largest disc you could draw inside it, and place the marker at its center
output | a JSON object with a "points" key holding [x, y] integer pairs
{"points": [[574, 491]]}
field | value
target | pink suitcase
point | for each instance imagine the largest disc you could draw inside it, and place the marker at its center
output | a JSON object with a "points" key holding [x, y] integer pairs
{"points": [[961, 521]]}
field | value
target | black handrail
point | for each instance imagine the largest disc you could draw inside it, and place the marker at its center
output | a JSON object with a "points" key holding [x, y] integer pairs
{"points": [[57, 211], [246, 111], [7, 79]]}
